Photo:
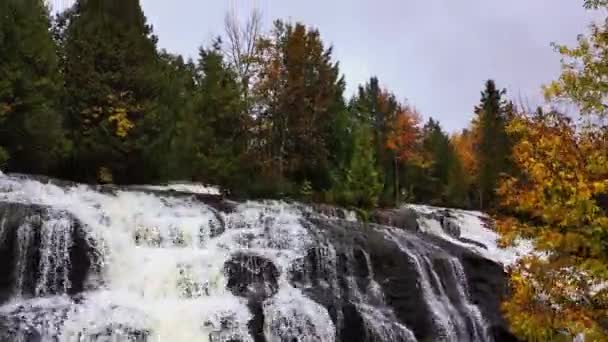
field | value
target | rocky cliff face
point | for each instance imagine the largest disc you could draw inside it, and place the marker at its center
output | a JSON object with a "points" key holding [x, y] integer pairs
{"points": [[86, 264]]}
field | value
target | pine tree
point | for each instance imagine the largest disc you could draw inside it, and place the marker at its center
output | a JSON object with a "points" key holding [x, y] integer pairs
{"points": [[30, 86], [112, 74], [362, 183], [379, 108], [219, 119], [174, 153], [438, 154], [493, 148]]}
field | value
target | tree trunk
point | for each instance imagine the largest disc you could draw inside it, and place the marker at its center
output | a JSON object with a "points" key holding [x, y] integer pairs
{"points": [[396, 181]]}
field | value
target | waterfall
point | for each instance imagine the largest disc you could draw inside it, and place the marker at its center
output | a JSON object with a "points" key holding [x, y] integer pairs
{"points": [[145, 264], [451, 322]]}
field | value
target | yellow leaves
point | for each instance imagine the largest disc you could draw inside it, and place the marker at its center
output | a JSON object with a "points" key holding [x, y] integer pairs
{"points": [[563, 169], [552, 90], [117, 111], [464, 145], [123, 124]]}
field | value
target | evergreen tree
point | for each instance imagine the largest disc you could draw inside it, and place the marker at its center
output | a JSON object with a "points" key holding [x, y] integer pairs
{"points": [[493, 147], [30, 86], [175, 150], [112, 74], [219, 119], [362, 183], [379, 108]]}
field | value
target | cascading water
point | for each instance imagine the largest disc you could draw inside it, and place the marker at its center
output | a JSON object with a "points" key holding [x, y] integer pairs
{"points": [[86, 264], [455, 317]]}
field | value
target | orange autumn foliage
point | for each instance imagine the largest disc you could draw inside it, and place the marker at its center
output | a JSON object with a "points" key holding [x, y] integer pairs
{"points": [[464, 145], [404, 134]]}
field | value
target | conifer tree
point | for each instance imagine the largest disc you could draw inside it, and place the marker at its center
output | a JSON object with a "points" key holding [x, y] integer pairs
{"points": [[493, 147], [112, 74], [220, 119], [30, 86]]}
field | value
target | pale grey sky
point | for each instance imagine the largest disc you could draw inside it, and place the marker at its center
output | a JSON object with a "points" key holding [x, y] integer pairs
{"points": [[435, 53]]}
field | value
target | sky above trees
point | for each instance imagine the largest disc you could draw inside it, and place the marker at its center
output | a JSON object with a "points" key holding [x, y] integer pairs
{"points": [[434, 53]]}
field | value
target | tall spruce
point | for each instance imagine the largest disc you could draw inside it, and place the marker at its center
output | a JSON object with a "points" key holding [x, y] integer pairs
{"points": [[436, 148], [493, 147], [379, 109], [31, 133], [220, 119], [112, 73]]}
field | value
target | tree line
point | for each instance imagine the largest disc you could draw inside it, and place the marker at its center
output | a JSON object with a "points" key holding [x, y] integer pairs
{"points": [[88, 95]]}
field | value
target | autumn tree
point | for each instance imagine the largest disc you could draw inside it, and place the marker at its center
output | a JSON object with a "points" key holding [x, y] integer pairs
{"points": [[403, 141], [298, 91], [32, 138], [559, 292], [559, 198]]}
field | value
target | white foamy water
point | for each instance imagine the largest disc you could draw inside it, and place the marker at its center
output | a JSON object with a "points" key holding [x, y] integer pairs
{"points": [[162, 266], [473, 228], [451, 324]]}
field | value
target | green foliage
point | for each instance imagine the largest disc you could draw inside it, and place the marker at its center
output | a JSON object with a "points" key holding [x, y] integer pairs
{"points": [[582, 80], [30, 86], [361, 184], [493, 147], [378, 109], [111, 70]]}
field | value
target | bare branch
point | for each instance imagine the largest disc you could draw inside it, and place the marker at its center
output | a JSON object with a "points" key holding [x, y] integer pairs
{"points": [[242, 40]]}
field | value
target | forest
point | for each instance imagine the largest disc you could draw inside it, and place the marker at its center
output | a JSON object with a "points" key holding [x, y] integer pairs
{"points": [[87, 95]]}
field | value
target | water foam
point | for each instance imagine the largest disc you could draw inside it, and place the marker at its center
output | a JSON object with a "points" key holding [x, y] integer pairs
{"points": [[162, 265]]}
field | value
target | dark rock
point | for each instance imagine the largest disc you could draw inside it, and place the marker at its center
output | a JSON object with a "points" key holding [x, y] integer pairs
{"points": [[251, 276], [256, 324], [405, 218], [24, 221], [218, 226], [365, 254], [473, 242]]}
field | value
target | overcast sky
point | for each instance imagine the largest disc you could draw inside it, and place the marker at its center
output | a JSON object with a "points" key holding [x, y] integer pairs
{"points": [[434, 53]]}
